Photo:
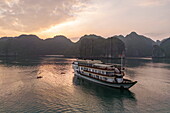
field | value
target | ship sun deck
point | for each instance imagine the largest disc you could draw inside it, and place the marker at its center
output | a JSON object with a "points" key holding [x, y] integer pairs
{"points": [[96, 70]]}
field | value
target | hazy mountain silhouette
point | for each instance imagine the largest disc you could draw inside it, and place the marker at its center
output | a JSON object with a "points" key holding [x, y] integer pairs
{"points": [[158, 42], [57, 45], [88, 46], [161, 49], [137, 45], [21, 45], [158, 52], [94, 46], [165, 45]]}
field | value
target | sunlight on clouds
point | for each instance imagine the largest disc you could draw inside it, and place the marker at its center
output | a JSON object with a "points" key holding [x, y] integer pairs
{"points": [[37, 15], [114, 18], [59, 28], [68, 29], [151, 3], [10, 3], [74, 28], [75, 18]]}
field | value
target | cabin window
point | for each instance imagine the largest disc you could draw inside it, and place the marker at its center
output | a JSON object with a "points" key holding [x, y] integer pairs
{"points": [[110, 73], [104, 78], [92, 75], [97, 76], [103, 72]]}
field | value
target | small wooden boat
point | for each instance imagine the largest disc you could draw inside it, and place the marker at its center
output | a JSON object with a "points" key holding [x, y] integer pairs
{"points": [[38, 77], [62, 73]]}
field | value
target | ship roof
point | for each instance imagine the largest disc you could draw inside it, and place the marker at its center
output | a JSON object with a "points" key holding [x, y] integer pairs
{"points": [[89, 61], [97, 63], [103, 65]]}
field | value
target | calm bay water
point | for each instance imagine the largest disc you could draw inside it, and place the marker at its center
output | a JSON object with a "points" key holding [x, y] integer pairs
{"points": [[60, 91]]}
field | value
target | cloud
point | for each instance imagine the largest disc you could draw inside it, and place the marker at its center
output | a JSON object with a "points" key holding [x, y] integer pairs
{"points": [[158, 35], [148, 3], [36, 15]]}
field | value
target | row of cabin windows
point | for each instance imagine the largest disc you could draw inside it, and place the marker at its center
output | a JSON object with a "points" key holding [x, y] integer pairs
{"points": [[93, 70], [97, 71], [96, 76]]}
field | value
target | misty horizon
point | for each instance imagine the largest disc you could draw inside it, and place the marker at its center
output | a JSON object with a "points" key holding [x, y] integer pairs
{"points": [[75, 39], [74, 18]]}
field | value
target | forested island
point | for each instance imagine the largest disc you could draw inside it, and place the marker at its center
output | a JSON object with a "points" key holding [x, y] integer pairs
{"points": [[88, 46]]}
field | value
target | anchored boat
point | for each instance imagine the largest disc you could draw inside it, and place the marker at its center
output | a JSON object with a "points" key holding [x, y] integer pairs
{"points": [[106, 74]]}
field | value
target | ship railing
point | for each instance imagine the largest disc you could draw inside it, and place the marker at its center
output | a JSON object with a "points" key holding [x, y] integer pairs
{"points": [[97, 67], [106, 75], [127, 81], [119, 75]]}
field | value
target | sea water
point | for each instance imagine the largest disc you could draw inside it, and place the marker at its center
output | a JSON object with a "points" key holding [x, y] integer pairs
{"points": [[60, 91]]}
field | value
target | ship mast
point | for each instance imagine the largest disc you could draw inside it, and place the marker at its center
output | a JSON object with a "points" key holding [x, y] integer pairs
{"points": [[122, 60]]}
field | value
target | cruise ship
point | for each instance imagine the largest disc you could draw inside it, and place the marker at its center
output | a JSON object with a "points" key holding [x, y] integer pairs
{"points": [[111, 75]]}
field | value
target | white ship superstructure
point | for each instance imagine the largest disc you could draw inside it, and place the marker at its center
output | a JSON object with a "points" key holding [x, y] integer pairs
{"points": [[105, 74]]}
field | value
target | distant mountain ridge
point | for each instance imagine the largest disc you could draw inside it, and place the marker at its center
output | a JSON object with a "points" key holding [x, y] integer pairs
{"points": [[165, 45], [93, 46], [88, 46], [137, 45]]}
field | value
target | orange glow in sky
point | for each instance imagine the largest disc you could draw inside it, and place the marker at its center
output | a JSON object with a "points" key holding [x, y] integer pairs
{"points": [[75, 18]]}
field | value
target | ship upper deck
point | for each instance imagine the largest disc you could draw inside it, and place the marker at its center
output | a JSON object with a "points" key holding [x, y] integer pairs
{"points": [[97, 64]]}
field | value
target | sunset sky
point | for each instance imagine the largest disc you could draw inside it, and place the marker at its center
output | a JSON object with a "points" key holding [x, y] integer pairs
{"points": [[75, 18]]}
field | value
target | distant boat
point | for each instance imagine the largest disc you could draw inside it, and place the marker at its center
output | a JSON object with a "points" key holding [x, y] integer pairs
{"points": [[106, 74], [38, 77]]}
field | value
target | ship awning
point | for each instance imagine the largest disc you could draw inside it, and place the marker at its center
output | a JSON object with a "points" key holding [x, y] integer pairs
{"points": [[103, 65]]}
